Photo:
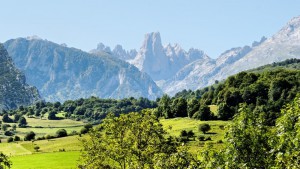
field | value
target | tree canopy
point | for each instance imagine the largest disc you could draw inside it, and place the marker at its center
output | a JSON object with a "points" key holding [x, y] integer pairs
{"points": [[134, 140]]}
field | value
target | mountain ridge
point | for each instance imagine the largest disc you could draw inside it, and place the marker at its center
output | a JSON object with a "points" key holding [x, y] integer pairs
{"points": [[14, 91], [61, 73], [203, 70]]}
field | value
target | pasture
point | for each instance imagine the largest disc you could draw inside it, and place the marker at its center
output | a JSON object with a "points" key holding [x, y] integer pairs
{"points": [[64, 152]]}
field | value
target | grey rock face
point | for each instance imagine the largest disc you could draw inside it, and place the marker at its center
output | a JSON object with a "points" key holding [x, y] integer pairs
{"points": [[14, 91], [62, 73]]}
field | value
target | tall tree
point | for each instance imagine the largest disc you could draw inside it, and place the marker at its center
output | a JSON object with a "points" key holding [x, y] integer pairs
{"points": [[134, 140]]}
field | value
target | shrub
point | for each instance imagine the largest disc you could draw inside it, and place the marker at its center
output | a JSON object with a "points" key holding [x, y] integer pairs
{"points": [[8, 133], [84, 131], [36, 148], [10, 139], [17, 138], [204, 127], [222, 127], [208, 139], [29, 136], [183, 133], [48, 137], [201, 138], [41, 138], [73, 133], [61, 133]]}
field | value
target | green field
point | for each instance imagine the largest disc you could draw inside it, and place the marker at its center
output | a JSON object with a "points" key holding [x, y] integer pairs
{"points": [[49, 155], [56, 160], [42, 127], [176, 125]]}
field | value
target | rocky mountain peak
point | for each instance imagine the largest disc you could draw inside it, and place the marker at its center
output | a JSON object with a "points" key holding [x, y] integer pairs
{"points": [[102, 48], [290, 32], [152, 42], [294, 22]]}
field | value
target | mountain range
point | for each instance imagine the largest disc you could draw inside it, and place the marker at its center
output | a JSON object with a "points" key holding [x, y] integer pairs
{"points": [[61, 73], [175, 69], [14, 91]]}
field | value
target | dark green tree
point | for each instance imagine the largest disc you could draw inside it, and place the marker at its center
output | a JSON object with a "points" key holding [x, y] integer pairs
{"points": [[29, 136], [204, 128], [193, 106], [6, 119], [134, 140], [22, 122], [61, 133], [164, 106], [179, 107]]}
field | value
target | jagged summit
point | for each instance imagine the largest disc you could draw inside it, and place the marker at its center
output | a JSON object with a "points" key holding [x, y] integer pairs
{"points": [[152, 42], [162, 62]]}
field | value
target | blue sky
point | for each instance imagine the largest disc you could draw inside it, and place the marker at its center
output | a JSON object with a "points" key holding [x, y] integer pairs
{"points": [[210, 25]]}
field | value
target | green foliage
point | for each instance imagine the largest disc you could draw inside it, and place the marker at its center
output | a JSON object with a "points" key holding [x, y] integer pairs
{"points": [[17, 138], [6, 118], [134, 140], [164, 107], [36, 148], [52, 115], [271, 86], [204, 128], [61, 133], [29, 136], [4, 161], [22, 122], [179, 107], [251, 143], [286, 146], [10, 139]]}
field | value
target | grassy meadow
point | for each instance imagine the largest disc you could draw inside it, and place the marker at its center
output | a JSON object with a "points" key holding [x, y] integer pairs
{"points": [[64, 152]]}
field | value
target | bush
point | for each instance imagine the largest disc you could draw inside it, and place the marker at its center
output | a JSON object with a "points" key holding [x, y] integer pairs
{"points": [[10, 139], [36, 148], [220, 141], [208, 139], [84, 131], [48, 137], [61, 133], [183, 133], [8, 133], [201, 138], [17, 138], [41, 138], [29, 136], [204, 127], [73, 133]]}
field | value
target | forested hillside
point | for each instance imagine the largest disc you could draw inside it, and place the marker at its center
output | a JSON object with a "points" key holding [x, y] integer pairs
{"points": [[267, 88], [91, 109]]}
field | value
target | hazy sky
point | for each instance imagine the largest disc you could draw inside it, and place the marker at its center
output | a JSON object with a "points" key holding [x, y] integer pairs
{"points": [[210, 25]]}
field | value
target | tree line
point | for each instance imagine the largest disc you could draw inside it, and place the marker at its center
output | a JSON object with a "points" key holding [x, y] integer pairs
{"points": [[137, 140]]}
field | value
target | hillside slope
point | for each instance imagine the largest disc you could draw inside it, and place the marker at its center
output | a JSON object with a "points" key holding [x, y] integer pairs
{"points": [[14, 91], [61, 73]]}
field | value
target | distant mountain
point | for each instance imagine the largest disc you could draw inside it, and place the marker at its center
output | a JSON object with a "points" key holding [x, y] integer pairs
{"points": [[160, 62], [174, 69], [117, 52], [14, 91], [61, 73], [283, 45]]}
